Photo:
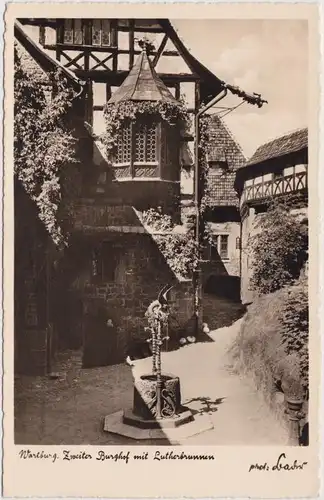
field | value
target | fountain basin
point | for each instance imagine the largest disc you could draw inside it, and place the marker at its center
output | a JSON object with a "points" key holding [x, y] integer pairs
{"points": [[145, 398]]}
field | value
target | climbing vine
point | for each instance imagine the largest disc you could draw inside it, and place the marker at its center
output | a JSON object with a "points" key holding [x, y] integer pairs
{"points": [[42, 142], [117, 113], [204, 140], [179, 249]]}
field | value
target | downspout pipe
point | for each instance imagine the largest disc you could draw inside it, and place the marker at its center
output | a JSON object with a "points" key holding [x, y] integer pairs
{"points": [[196, 274]]}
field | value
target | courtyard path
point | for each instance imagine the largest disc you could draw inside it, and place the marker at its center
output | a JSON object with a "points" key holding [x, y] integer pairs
{"points": [[209, 385], [71, 411]]}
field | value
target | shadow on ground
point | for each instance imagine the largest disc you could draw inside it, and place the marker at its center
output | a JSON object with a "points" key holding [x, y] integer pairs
{"points": [[204, 404]]}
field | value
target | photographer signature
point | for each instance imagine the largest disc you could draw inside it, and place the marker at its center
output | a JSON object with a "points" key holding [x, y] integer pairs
{"points": [[281, 465]]}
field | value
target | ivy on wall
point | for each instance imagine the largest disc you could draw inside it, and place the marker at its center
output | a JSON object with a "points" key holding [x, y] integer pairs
{"points": [[204, 140], [43, 144], [116, 114], [179, 249]]}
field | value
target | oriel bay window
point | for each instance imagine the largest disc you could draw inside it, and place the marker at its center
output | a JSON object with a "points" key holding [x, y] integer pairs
{"points": [[146, 149]]}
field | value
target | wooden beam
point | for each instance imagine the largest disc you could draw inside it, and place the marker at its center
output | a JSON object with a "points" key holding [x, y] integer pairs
{"points": [[114, 33], [140, 30], [75, 46], [108, 92], [46, 62], [99, 62], [51, 23], [42, 35], [110, 49], [116, 78], [160, 50], [170, 53], [131, 43], [197, 95], [72, 61]]}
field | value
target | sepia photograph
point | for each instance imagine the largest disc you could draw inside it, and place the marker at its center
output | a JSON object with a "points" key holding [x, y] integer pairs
{"points": [[161, 232]]}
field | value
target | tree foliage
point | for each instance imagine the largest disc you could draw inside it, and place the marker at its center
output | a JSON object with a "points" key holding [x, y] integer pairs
{"points": [[43, 144], [279, 248]]}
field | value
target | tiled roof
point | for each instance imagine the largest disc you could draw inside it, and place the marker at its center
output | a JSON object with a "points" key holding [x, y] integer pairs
{"points": [[142, 84], [224, 149], [289, 143]]}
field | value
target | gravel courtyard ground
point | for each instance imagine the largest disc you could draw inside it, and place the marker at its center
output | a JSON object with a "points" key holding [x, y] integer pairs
{"points": [[70, 410]]}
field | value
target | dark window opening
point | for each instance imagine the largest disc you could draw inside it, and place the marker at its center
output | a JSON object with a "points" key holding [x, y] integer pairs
{"points": [[218, 165], [103, 263], [223, 247], [278, 174]]}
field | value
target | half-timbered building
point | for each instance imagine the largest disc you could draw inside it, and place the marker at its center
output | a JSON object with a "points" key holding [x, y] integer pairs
{"points": [[277, 169], [112, 268]]}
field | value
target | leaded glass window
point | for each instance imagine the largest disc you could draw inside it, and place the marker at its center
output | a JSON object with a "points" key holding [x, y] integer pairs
{"points": [[73, 31], [145, 142], [68, 31], [105, 39], [101, 32], [124, 146], [78, 31], [96, 32], [151, 142]]}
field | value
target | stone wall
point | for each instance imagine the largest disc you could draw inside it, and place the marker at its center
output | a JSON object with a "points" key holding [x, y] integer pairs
{"points": [[248, 224], [34, 337], [140, 273]]}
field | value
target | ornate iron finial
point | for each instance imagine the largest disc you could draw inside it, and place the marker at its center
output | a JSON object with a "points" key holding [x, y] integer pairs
{"points": [[145, 45]]}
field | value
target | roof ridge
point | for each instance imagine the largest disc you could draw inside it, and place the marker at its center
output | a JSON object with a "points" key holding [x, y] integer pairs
{"points": [[289, 142], [286, 134], [138, 73]]}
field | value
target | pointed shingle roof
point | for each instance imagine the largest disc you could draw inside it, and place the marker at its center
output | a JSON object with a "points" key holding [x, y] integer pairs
{"points": [[142, 84], [223, 147]]}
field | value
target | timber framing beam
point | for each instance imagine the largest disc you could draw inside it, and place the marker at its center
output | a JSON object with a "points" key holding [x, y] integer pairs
{"points": [[116, 79], [160, 50], [108, 49]]}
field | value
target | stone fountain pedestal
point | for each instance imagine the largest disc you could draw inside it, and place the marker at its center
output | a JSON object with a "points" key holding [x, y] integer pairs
{"points": [[140, 422]]}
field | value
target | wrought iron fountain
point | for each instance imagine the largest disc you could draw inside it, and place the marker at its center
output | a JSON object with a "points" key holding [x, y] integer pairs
{"points": [[157, 411], [157, 395]]}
